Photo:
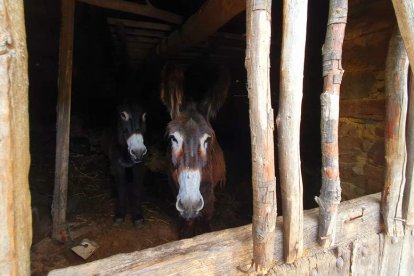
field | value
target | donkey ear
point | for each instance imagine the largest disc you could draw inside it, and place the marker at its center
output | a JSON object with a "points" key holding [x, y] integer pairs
{"points": [[216, 93], [172, 88]]}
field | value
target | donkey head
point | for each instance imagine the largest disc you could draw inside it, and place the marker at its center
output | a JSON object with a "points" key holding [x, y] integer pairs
{"points": [[192, 139], [131, 129]]}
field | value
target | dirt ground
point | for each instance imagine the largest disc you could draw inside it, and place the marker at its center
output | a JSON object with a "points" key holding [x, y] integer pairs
{"points": [[91, 204]]}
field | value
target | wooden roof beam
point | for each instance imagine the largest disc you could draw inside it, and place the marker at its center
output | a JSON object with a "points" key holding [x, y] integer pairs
{"points": [[140, 24], [209, 18], [138, 9]]}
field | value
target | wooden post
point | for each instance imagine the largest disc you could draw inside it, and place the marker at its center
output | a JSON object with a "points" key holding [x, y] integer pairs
{"points": [[330, 196], [15, 212], [59, 231], [395, 149], [404, 11], [288, 124], [408, 201], [258, 26]]}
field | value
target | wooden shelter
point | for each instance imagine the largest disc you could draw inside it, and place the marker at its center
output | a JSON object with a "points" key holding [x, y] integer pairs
{"points": [[371, 234]]}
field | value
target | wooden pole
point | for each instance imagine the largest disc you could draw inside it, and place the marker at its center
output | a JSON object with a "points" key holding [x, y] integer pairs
{"points": [[258, 27], [59, 231], [404, 11], [210, 17], [138, 9], [395, 148], [408, 202], [15, 212], [330, 195], [288, 124]]}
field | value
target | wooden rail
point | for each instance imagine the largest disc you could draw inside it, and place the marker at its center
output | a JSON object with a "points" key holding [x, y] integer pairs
{"points": [[220, 253]]}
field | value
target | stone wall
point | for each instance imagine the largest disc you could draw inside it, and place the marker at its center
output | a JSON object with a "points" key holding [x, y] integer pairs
{"points": [[362, 110]]}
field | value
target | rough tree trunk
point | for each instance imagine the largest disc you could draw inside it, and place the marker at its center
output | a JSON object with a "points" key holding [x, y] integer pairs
{"points": [[261, 127], [330, 196], [408, 201], [404, 11], [288, 124], [15, 212], [395, 148], [59, 231]]}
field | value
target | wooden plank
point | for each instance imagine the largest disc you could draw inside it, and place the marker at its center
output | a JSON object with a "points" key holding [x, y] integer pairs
{"points": [[404, 11], [330, 195], [140, 24], [15, 212], [330, 263], [144, 33], [396, 73], [390, 254], [258, 18], [212, 15], [144, 40], [134, 8], [59, 231], [288, 124], [407, 252], [220, 253], [365, 256], [408, 201]]}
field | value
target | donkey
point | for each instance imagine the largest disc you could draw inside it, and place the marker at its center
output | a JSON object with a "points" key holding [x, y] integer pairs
{"points": [[124, 145], [197, 163]]}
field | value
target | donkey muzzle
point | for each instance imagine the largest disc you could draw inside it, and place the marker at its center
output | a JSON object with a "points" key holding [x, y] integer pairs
{"points": [[189, 200], [136, 147]]}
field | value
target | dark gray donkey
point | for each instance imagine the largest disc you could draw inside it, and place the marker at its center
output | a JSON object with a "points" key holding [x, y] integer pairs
{"points": [[124, 145]]}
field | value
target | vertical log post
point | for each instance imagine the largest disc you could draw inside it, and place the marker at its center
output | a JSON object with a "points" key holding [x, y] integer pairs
{"points": [[330, 195], [59, 231], [408, 202], [261, 126], [395, 148], [288, 124], [15, 212], [404, 11]]}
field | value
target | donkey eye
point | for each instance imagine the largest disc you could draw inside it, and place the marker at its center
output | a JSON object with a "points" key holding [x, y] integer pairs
{"points": [[173, 139], [124, 115]]}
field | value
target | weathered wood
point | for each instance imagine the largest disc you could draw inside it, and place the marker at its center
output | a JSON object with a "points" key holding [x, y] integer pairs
{"points": [[407, 252], [390, 254], [258, 24], [408, 200], [210, 17], [330, 263], [134, 8], [365, 256], [404, 11], [59, 231], [140, 24], [330, 195], [220, 253], [396, 73], [288, 124], [145, 33], [15, 212]]}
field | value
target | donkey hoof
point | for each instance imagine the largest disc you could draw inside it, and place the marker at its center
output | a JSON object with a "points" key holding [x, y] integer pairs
{"points": [[118, 221]]}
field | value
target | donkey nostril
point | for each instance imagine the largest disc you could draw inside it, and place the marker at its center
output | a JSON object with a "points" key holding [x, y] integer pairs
{"points": [[200, 204], [179, 206], [144, 152]]}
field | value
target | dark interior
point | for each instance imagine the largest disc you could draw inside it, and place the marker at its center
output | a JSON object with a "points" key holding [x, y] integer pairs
{"points": [[103, 73]]}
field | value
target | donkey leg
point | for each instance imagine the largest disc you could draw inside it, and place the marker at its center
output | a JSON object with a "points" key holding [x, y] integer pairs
{"points": [[122, 195], [135, 194]]}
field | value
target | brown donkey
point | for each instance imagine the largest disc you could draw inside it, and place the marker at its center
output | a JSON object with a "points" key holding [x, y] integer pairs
{"points": [[196, 158]]}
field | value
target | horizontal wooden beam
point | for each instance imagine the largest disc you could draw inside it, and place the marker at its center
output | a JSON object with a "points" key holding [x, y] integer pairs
{"points": [[145, 33], [220, 253], [365, 109], [139, 9], [210, 17], [140, 39], [140, 24]]}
